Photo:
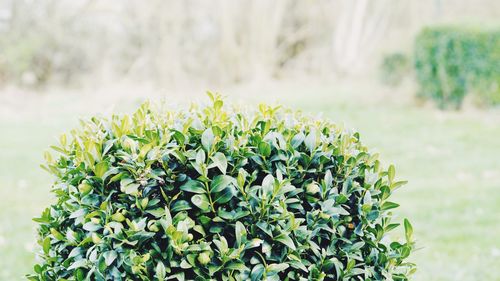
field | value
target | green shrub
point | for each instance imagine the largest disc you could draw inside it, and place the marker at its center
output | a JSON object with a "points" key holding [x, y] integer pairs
{"points": [[451, 62], [212, 193], [394, 68]]}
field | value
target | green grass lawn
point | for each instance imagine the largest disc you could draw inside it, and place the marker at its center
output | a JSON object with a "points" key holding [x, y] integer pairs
{"points": [[451, 159]]}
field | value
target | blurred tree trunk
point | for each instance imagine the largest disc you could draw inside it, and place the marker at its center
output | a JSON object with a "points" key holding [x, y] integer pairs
{"points": [[249, 37], [360, 27]]}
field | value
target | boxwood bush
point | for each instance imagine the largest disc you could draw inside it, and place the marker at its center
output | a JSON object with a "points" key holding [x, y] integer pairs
{"points": [[451, 62], [213, 193]]}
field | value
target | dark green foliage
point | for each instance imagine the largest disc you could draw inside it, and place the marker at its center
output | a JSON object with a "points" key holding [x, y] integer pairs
{"points": [[452, 62], [212, 193], [394, 68]]}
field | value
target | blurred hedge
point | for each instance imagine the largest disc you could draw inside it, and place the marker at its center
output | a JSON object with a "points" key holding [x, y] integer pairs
{"points": [[452, 62]]}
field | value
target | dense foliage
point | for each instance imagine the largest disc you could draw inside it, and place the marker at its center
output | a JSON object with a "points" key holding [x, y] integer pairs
{"points": [[451, 62], [394, 68], [211, 193]]}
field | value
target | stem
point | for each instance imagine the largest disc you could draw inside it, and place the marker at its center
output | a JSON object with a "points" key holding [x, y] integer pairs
{"points": [[210, 198]]}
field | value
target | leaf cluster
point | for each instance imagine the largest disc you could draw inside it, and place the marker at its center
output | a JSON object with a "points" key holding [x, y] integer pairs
{"points": [[217, 193]]}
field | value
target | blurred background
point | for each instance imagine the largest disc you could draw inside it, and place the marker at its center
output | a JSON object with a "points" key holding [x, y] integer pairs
{"points": [[419, 79]]}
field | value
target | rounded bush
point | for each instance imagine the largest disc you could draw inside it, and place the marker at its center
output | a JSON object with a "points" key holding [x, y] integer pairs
{"points": [[211, 193]]}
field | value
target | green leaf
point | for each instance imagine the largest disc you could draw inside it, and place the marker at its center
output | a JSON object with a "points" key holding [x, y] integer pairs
{"points": [[57, 235], [264, 149], [328, 179], [241, 179], [220, 182], [297, 140], [46, 245], [179, 137], [78, 264], [285, 239], [391, 227], [180, 205], [160, 271], [158, 212], [240, 233], [128, 186], [107, 146], [144, 150], [232, 215], [275, 268], [254, 243], [92, 227], [109, 257], [113, 171], [264, 226], [391, 172], [168, 217], [257, 272], [207, 139], [193, 186], [220, 161], [100, 169], [310, 141], [200, 157], [397, 184], [236, 265], [224, 196], [201, 201], [388, 205], [222, 245], [268, 184], [132, 189], [408, 230]]}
